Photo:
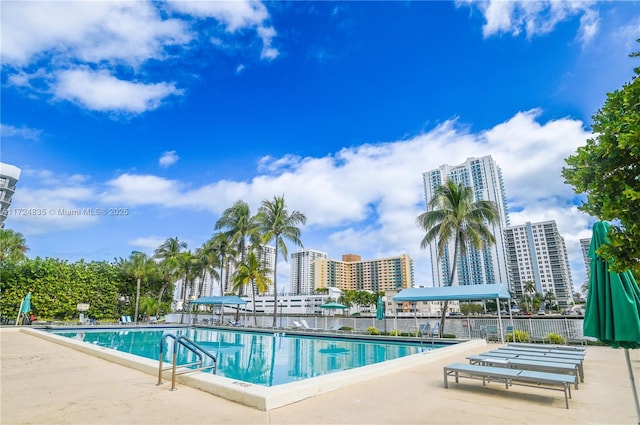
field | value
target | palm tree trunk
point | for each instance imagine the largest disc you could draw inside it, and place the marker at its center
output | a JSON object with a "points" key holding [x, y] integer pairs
{"points": [[253, 296], [453, 272], [275, 287], [164, 287], [135, 319]]}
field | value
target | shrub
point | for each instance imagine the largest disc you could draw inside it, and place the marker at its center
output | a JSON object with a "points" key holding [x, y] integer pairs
{"points": [[521, 336], [372, 330], [395, 332], [346, 328], [555, 339], [448, 336]]}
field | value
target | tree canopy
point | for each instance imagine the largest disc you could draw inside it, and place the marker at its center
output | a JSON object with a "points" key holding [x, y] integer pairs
{"points": [[607, 171]]}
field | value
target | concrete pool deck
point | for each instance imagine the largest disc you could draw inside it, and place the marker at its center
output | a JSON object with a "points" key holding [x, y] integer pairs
{"points": [[46, 383]]}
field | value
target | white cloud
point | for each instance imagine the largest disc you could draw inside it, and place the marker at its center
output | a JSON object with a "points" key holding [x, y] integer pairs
{"points": [[57, 203], [365, 199], [147, 243], [69, 41], [267, 34], [100, 91], [92, 31], [9, 131], [535, 18], [235, 15], [168, 158], [130, 190]]}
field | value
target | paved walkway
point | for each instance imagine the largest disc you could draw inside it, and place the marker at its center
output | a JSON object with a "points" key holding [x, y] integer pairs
{"points": [[45, 383]]}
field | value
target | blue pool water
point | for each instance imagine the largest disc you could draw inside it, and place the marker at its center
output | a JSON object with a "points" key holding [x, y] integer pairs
{"points": [[259, 358]]}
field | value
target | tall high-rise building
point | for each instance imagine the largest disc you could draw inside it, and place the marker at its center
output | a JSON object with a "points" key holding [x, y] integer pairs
{"points": [[302, 270], [477, 267], [372, 275], [537, 253], [585, 244], [206, 285], [9, 176]]}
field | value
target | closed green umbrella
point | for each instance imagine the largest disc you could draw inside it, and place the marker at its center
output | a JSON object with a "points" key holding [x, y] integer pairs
{"points": [[380, 309], [612, 313], [25, 306]]}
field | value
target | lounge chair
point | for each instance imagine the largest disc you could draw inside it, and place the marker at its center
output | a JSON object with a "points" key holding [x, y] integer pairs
{"points": [[296, 325], [427, 330], [540, 366], [510, 377], [306, 326]]}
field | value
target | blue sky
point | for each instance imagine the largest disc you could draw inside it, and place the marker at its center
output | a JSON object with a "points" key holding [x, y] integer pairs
{"points": [[175, 110]]}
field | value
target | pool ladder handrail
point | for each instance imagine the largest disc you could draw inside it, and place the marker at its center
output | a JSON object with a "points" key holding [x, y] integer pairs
{"points": [[189, 345], [426, 330]]}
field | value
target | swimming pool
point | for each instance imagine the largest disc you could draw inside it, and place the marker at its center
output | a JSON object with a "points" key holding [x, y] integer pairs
{"points": [[259, 358]]}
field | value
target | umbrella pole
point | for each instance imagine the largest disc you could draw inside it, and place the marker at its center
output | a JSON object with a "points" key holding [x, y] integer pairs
{"points": [[19, 311], [633, 383]]}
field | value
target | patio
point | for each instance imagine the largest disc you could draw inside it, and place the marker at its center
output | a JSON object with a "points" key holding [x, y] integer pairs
{"points": [[47, 383]]}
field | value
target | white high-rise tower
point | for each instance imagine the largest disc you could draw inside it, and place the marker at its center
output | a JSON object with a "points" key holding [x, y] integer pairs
{"points": [[537, 253], [477, 266], [302, 270]]}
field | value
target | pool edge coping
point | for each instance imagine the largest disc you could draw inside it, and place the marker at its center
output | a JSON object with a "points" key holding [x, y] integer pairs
{"points": [[257, 396]]}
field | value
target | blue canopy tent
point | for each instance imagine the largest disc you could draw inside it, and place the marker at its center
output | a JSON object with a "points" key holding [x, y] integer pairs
{"points": [[459, 293], [221, 301]]}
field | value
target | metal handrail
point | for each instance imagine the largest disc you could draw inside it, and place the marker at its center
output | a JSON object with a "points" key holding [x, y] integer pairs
{"points": [[189, 345]]}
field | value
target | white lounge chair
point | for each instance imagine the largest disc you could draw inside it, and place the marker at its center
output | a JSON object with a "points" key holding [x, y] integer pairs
{"points": [[306, 326], [297, 324]]}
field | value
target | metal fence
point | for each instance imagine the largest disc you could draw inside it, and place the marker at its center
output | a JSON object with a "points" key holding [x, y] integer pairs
{"points": [[537, 328]]}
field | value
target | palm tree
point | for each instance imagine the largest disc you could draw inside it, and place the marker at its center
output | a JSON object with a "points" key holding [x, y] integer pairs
{"points": [[255, 273], [168, 253], [239, 226], [141, 266], [276, 223], [170, 249], [550, 298], [529, 288], [13, 246], [455, 217], [209, 259], [167, 269], [186, 267], [221, 244]]}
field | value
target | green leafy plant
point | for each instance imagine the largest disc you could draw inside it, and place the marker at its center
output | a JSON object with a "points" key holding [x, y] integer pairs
{"points": [[555, 339], [520, 336], [372, 330]]}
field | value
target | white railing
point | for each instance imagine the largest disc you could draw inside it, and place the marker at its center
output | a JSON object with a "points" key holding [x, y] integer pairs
{"points": [[537, 328]]}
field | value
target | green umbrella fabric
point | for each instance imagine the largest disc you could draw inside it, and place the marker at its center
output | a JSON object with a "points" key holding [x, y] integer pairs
{"points": [[612, 314], [26, 304], [380, 309], [333, 305]]}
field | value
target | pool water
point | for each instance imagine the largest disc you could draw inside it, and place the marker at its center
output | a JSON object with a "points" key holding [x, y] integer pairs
{"points": [[259, 358]]}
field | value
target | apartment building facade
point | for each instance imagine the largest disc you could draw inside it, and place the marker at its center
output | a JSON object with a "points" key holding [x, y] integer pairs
{"points": [[9, 176], [301, 277], [537, 253], [352, 273]]}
